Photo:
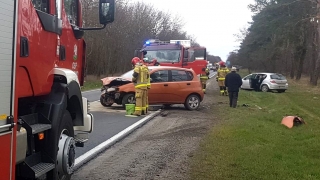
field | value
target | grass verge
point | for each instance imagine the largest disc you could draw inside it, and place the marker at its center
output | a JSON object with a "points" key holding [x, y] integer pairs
{"points": [[92, 82], [251, 143]]}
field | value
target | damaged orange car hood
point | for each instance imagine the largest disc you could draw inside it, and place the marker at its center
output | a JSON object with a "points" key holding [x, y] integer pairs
{"points": [[108, 80]]}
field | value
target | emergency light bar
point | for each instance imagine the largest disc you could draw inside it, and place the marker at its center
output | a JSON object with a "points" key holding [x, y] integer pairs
{"points": [[151, 41], [185, 43]]}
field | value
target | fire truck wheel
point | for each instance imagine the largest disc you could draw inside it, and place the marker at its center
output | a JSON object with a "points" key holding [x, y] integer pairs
{"points": [[65, 150]]}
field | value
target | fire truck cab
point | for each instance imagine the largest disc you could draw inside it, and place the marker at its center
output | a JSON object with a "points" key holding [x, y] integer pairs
{"points": [[43, 116], [177, 53]]}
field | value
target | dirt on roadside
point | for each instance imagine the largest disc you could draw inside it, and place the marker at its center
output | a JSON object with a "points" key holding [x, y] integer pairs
{"points": [[161, 148]]}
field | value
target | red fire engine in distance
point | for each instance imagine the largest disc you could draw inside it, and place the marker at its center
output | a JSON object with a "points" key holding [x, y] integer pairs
{"points": [[178, 53]]}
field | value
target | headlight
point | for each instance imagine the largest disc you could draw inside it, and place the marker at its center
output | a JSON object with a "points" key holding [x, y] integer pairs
{"points": [[111, 89]]}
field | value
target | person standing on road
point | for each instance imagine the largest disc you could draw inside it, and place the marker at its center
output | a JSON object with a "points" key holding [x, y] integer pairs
{"points": [[233, 82], [140, 79], [204, 76], [221, 75]]}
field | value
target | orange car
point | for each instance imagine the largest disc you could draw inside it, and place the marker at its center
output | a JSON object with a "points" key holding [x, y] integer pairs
{"points": [[169, 85]]}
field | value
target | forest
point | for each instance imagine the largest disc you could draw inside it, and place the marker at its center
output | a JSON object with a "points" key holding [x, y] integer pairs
{"points": [[282, 37], [109, 51]]}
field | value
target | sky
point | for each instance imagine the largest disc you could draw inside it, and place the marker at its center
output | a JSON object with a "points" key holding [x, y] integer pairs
{"points": [[212, 22]]}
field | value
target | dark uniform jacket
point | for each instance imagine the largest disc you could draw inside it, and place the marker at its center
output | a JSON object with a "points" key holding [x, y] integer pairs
{"points": [[233, 82]]}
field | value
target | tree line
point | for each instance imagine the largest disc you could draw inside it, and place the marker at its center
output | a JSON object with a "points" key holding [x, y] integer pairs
{"points": [[283, 37], [110, 51]]}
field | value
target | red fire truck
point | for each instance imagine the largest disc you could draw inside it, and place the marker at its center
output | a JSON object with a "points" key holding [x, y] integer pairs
{"points": [[173, 53], [43, 116]]}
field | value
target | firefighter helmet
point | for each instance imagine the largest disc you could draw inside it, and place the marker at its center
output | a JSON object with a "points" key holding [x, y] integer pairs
{"points": [[135, 60], [221, 63]]}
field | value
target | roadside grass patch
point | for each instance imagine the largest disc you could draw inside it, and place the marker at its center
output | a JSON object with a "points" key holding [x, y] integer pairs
{"points": [[92, 84], [251, 143]]}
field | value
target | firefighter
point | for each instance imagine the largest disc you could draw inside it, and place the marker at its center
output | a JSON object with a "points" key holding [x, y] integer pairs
{"points": [[222, 72], [204, 76], [134, 62], [141, 80]]}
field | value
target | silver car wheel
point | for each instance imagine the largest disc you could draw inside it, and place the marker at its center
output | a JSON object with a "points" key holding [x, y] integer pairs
{"points": [[264, 88]]}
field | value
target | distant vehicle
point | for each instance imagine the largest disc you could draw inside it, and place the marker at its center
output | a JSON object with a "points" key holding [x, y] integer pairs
{"points": [[209, 66], [169, 85], [272, 81], [177, 53]]}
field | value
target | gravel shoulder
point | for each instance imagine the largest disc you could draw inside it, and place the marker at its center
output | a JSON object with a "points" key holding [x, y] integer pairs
{"points": [[161, 149]]}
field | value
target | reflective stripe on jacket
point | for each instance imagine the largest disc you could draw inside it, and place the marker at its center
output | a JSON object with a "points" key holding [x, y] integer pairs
{"points": [[222, 73]]}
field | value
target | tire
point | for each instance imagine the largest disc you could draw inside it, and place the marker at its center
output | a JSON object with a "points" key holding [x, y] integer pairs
{"points": [[192, 102], [281, 91], [264, 88], [128, 99], [65, 128], [103, 102], [167, 106]]}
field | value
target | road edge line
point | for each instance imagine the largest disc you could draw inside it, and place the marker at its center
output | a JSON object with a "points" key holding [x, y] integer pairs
{"points": [[86, 157]]}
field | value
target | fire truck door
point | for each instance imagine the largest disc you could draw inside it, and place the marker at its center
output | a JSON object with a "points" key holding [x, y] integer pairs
{"points": [[7, 56]]}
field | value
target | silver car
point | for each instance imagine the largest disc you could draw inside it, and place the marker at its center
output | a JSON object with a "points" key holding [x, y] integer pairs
{"points": [[270, 81]]}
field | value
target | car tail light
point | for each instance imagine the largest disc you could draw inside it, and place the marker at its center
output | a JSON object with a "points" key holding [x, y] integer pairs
{"points": [[272, 81]]}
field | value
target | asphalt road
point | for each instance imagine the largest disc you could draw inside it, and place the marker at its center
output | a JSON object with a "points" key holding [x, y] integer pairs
{"points": [[161, 149], [106, 125], [93, 95], [108, 121]]}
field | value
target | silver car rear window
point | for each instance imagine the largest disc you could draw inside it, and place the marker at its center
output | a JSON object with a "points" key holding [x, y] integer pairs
{"points": [[277, 76]]}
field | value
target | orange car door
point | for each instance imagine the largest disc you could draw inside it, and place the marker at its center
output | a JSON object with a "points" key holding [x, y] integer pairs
{"points": [[181, 86], [159, 87]]}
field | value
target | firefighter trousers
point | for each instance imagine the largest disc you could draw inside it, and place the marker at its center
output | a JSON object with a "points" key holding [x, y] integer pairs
{"points": [[204, 84], [141, 102], [147, 102], [223, 89]]}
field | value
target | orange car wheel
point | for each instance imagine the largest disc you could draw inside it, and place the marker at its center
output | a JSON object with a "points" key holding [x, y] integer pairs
{"points": [[103, 102], [128, 99], [192, 102]]}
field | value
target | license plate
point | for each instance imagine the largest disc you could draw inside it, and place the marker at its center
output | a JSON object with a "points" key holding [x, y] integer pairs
{"points": [[281, 86]]}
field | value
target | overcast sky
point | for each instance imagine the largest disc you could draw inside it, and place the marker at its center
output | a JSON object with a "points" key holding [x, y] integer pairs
{"points": [[224, 18]]}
